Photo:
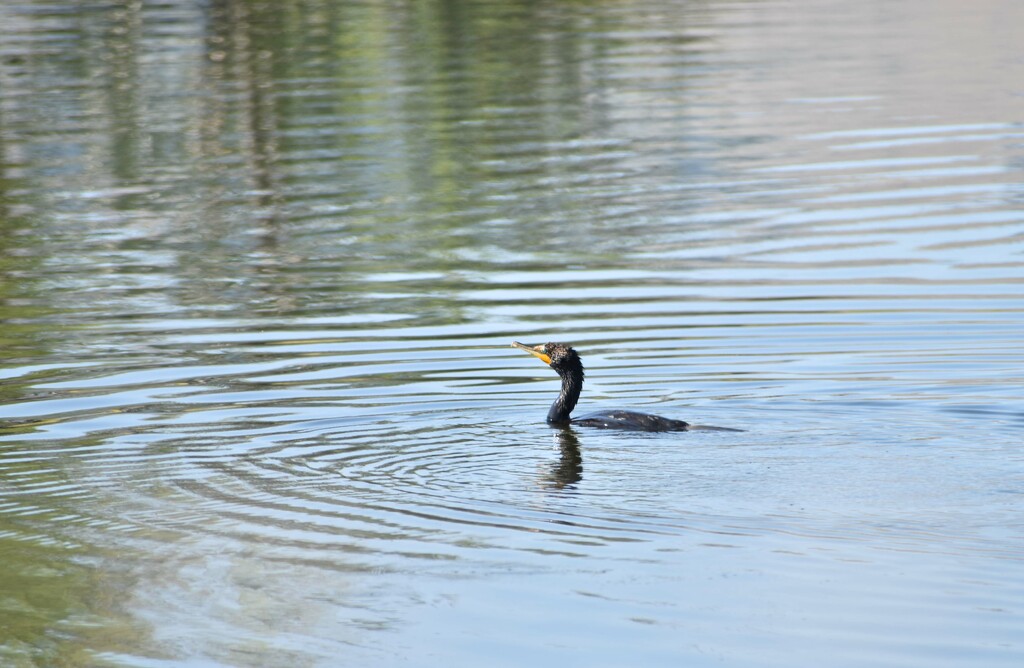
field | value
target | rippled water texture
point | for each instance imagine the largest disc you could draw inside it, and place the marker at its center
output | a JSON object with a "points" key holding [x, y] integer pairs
{"points": [[262, 263]]}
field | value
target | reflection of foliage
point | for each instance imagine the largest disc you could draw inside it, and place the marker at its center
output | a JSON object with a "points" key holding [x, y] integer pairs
{"points": [[20, 306], [50, 595], [41, 589], [412, 114], [264, 145], [365, 137]]}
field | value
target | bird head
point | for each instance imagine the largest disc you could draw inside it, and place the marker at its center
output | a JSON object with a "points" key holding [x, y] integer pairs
{"points": [[559, 356]]}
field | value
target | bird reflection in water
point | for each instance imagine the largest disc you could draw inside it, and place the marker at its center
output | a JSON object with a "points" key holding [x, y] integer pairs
{"points": [[568, 470]]}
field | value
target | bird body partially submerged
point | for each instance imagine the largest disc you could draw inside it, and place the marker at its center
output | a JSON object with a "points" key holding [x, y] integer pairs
{"points": [[631, 420], [567, 364]]}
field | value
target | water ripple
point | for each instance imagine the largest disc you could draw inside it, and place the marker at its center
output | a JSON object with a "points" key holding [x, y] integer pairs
{"points": [[263, 267]]}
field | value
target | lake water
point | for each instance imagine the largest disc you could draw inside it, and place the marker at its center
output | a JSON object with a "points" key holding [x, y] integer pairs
{"points": [[262, 263]]}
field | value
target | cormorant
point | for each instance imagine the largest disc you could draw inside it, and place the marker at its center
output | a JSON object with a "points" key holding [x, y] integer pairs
{"points": [[566, 363]]}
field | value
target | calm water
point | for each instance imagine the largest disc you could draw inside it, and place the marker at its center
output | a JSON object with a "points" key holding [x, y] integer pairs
{"points": [[262, 263]]}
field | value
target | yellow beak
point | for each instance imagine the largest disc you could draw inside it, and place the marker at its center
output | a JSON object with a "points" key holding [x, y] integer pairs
{"points": [[536, 351]]}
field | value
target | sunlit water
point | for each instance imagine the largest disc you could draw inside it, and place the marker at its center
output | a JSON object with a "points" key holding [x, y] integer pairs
{"points": [[262, 264]]}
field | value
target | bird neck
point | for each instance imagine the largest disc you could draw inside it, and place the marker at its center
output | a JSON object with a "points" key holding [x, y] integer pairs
{"points": [[572, 385]]}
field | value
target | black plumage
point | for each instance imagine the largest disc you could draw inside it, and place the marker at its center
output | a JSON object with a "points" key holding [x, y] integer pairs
{"points": [[567, 364]]}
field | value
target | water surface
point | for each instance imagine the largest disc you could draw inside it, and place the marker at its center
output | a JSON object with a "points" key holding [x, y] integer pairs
{"points": [[262, 263]]}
